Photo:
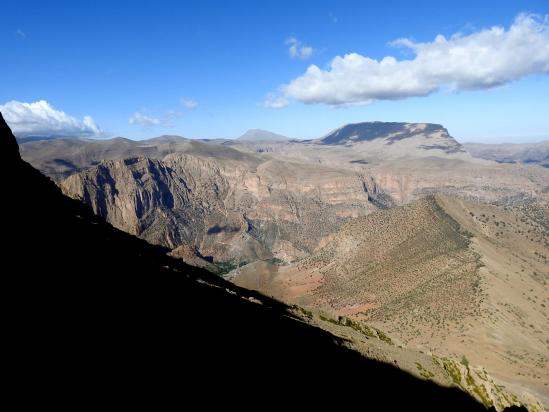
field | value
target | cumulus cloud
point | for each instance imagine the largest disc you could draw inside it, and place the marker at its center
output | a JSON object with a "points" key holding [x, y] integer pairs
{"points": [[298, 50], [189, 103], [166, 120], [481, 60], [141, 119], [41, 119], [21, 33], [274, 101]]}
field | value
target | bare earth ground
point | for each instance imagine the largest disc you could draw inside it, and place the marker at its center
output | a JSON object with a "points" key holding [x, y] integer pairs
{"points": [[442, 275]]}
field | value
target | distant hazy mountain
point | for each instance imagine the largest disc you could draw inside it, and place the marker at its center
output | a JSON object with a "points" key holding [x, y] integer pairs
{"points": [[166, 138], [536, 153], [59, 158], [258, 135], [27, 139]]}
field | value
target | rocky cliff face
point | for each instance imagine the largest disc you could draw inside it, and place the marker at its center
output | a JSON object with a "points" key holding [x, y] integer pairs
{"points": [[226, 209]]}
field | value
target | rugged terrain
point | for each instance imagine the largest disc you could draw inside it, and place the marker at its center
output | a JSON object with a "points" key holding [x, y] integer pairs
{"points": [[410, 160], [442, 275], [252, 208], [414, 271], [237, 201], [95, 315]]}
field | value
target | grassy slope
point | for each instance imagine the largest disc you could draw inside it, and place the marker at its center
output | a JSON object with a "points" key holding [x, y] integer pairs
{"points": [[441, 275]]}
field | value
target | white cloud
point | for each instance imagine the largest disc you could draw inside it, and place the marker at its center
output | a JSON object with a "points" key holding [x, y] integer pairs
{"points": [[166, 120], [274, 101], [298, 50], [140, 119], [170, 117], [21, 33], [41, 119], [481, 60], [189, 103]]}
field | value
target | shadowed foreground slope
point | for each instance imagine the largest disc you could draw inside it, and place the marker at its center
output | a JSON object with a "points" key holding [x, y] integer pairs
{"points": [[97, 315]]}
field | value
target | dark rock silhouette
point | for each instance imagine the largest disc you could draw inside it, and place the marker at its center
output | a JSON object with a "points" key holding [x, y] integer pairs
{"points": [[97, 317]]}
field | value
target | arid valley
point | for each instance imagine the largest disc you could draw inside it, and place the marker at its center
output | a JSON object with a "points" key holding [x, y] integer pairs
{"points": [[394, 226]]}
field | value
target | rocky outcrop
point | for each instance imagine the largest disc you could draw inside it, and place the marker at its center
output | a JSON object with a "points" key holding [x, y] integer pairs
{"points": [[192, 257], [229, 210]]}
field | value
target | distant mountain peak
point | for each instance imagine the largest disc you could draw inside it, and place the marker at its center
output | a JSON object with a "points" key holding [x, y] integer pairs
{"points": [[259, 135]]}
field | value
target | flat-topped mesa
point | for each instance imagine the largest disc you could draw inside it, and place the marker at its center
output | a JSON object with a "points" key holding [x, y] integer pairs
{"points": [[425, 136], [367, 131]]}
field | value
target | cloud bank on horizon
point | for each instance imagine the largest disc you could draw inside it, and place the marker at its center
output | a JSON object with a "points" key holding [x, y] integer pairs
{"points": [[481, 60], [42, 119]]}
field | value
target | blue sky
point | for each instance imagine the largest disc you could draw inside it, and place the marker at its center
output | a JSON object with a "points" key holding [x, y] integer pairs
{"points": [[116, 61]]}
